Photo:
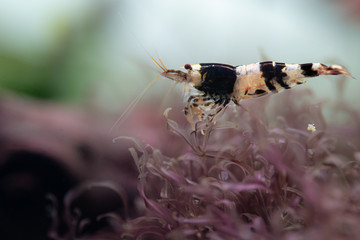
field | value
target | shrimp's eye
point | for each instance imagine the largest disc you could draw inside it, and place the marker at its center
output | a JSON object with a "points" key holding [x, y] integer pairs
{"points": [[187, 66]]}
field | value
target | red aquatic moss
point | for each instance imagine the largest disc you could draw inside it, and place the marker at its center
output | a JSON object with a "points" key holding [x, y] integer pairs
{"points": [[259, 173]]}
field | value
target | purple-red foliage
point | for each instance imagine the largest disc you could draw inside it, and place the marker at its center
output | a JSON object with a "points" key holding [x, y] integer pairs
{"points": [[258, 173]]}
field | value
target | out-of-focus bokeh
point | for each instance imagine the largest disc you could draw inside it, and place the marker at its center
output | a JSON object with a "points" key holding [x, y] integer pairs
{"points": [[94, 58], [95, 52]]}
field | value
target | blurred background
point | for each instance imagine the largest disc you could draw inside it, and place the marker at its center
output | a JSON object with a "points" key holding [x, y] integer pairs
{"points": [[95, 52], [69, 68]]}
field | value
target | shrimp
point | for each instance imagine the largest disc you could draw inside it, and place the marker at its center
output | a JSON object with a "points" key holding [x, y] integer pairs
{"points": [[219, 84]]}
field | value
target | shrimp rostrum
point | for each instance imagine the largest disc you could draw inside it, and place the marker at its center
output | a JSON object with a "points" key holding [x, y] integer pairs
{"points": [[218, 84]]}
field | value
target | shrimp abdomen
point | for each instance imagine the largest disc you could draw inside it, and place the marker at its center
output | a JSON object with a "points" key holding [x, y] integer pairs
{"points": [[257, 79]]}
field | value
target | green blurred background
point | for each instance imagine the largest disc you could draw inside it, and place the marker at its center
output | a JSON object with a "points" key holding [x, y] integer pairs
{"points": [[94, 53]]}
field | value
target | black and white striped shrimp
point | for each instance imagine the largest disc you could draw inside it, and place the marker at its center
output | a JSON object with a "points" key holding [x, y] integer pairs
{"points": [[219, 84]]}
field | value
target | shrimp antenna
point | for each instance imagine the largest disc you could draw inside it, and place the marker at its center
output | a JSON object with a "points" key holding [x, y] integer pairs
{"points": [[162, 66], [162, 63], [133, 103]]}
